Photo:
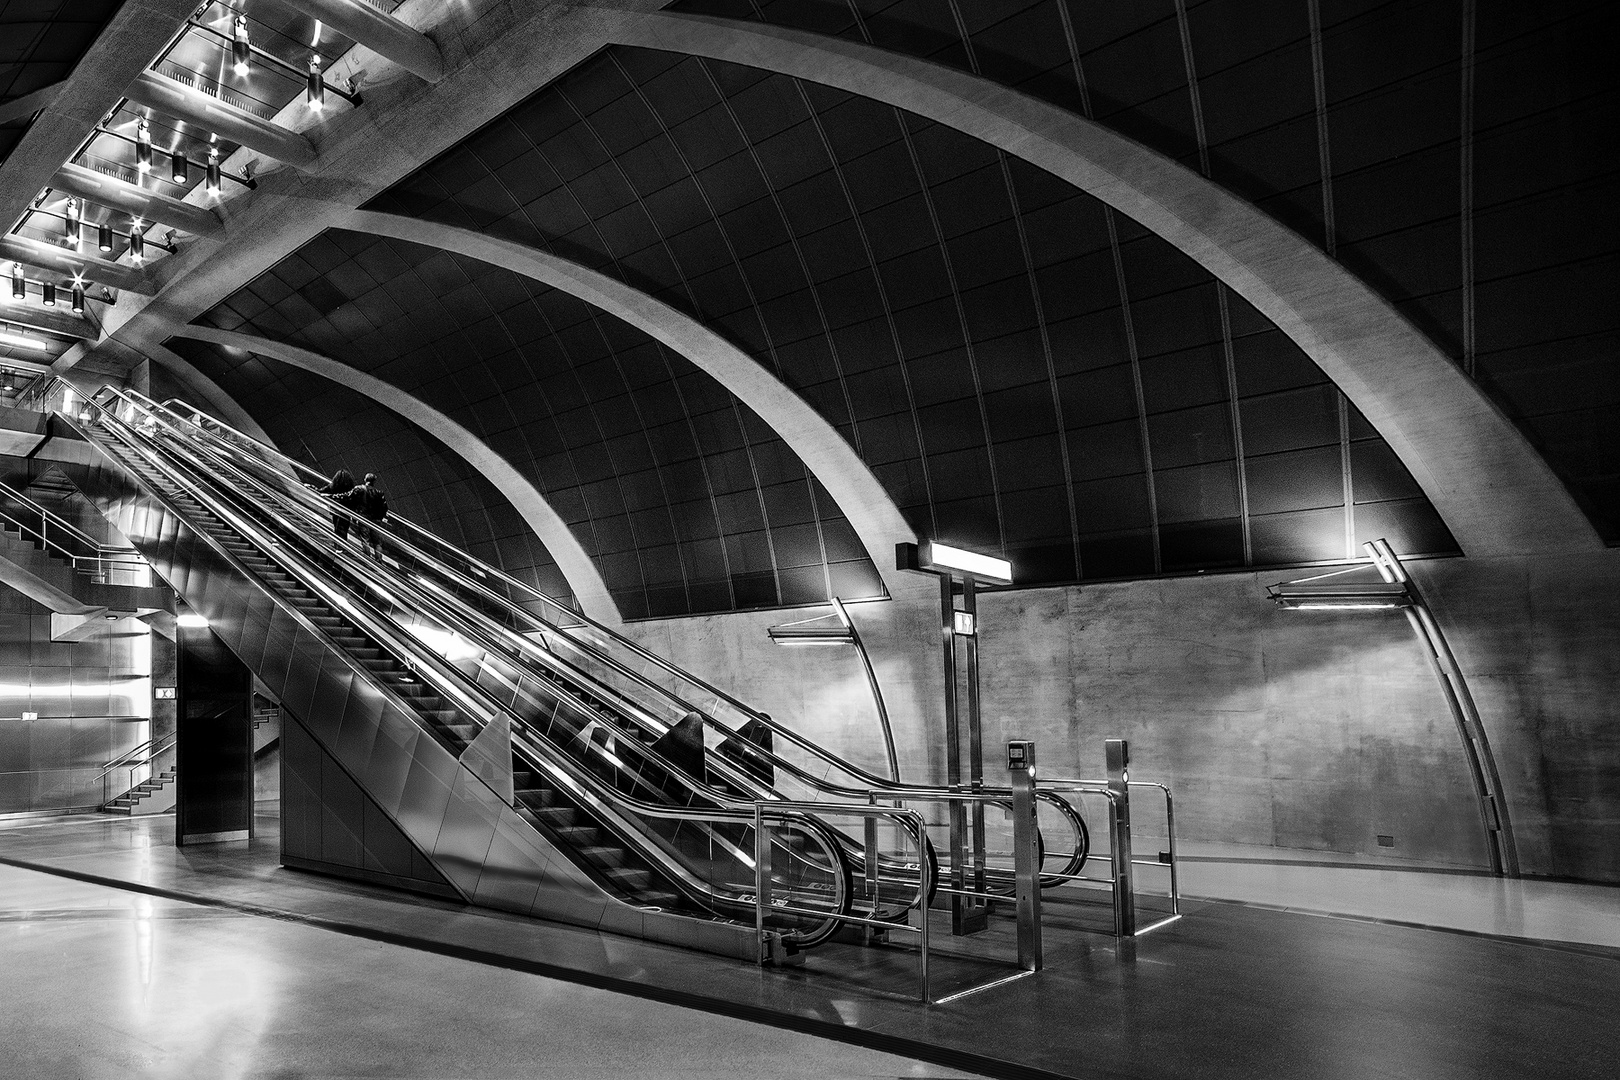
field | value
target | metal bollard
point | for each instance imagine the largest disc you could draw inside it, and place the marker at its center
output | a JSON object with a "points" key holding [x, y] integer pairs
{"points": [[1026, 853], [1117, 755]]}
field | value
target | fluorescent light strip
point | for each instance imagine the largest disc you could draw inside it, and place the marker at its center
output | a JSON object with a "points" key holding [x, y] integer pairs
{"points": [[969, 562], [9, 338]]}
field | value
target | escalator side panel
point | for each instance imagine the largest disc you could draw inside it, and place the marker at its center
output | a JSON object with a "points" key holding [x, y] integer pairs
{"points": [[476, 841]]}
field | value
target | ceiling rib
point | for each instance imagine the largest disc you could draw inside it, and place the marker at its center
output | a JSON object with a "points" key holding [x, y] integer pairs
{"points": [[51, 320], [61, 261], [383, 34], [229, 122], [20, 108], [112, 192]]}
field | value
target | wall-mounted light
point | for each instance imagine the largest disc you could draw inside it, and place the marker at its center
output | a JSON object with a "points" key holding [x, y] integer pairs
{"points": [[177, 167], [941, 558], [241, 47], [315, 90], [817, 631], [211, 184], [19, 286], [143, 146], [104, 236], [48, 292], [70, 223]]}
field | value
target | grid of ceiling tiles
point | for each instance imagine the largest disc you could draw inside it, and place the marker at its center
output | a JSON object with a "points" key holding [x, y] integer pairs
{"points": [[40, 42], [329, 427], [1459, 156], [1023, 370], [686, 500]]}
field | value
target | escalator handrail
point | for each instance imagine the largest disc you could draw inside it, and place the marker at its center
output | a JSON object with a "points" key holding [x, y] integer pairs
{"points": [[880, 787], [609, 803]]}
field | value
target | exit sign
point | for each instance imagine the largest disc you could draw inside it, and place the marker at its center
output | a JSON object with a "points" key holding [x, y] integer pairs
{"points": [[163, 693]]}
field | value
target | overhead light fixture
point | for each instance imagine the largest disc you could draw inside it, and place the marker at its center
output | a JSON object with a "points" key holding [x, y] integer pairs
{"points": [[71, 222], [241, 47], [143, 146], [821, 630], [211, 185], [9, 336], [942, 558], [9, 385], [177, 167], [19, 287], [191, 621], [78, 297], [48, 290], [137, 241], [315, 91], [104, 236]]}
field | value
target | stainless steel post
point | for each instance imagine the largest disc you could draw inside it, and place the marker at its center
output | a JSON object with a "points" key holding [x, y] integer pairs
{"points": [[953, 755], [970, 607], [762, 881], [1117, 755], [1026, 853]]}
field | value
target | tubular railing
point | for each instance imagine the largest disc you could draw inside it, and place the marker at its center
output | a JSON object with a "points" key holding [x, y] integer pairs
{"points": [[104, 564], [588, 646], [647, 828], [132, 761]]}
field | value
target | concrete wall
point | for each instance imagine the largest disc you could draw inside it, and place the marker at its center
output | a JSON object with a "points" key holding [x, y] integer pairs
{"points": [[1303, 730]]}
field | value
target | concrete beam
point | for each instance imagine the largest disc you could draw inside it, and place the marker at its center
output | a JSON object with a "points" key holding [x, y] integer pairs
{"points": [[209, 396], [1498, 496], [383, 34], [859, 494], [176, 99], [115, 193], [131, 39], [20, 108], [61, 261], [57, 320], [576, 566]]}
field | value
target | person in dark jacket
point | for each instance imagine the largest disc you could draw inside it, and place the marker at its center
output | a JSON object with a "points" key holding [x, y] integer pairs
{"points": [[370, 502], [337, 489]]}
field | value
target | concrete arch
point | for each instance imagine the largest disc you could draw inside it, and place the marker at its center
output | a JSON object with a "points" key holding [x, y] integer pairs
{"points": [[576, 566], [1497, 494], [863, 500]]}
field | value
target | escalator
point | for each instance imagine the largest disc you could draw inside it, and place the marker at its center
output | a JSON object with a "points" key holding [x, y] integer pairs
{"points": [[572, 743]]}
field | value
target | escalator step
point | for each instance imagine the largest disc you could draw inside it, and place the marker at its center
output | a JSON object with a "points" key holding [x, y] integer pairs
{"points": [[609, 858], [579, 835], [629, 879]]}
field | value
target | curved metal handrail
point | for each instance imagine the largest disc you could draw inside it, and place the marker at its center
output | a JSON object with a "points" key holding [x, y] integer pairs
{"points": [[875, 786], [614, 809]]}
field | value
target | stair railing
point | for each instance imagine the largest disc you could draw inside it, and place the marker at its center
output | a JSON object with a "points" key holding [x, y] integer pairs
{"points": [[132, 761], [102, 563]]}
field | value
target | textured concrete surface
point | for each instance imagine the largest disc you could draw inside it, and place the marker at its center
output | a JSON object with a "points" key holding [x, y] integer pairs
{"points": [[1494, 491], [1310, 730]]}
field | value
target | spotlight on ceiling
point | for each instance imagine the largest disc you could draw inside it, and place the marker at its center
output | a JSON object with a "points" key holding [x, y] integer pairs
{"points": [[104, 236], [177, 167], [137, 241], [78, 298], [71, 222], [315, 91], [19, 287], [9, 384], [211, 185], [143, 146], [49, 292], [241, 47]]}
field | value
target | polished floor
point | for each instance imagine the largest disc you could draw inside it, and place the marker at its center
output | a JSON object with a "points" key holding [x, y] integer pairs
{"points": [[104, 983], [217, 962]]}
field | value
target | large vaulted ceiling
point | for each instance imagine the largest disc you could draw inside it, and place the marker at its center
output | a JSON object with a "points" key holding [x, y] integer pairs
{"points": [[737, 321]]}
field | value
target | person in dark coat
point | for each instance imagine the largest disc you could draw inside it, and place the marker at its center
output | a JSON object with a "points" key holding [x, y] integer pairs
{"points": [[337, 489], [370, 502]]}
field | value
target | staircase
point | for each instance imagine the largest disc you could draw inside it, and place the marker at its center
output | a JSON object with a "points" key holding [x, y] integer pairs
{"points": [[134, 801]]}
